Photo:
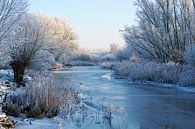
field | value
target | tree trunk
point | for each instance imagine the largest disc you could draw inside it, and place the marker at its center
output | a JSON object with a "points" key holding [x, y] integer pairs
{"points": [[18, 69]]}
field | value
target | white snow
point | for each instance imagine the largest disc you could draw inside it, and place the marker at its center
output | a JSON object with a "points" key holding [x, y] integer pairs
{"points": [[53, 123], [2, 115], [107, 76]]}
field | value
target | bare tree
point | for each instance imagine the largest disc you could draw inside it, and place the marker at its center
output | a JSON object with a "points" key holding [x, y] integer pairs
{"points": [[27, 39]]}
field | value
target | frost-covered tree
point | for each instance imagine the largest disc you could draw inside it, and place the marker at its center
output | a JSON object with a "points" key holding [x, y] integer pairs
{"points": [[10, 13], [3, 59], [26, 40], [43, 60], [61, 36], [164, 29], [4, 54], [114, 48], [123, 54]]}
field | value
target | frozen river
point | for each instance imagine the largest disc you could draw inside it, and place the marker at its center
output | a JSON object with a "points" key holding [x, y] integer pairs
{"points": [[146, 107]]}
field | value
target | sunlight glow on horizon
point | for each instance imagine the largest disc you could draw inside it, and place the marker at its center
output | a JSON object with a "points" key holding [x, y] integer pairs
{"points": [[96, 22]]}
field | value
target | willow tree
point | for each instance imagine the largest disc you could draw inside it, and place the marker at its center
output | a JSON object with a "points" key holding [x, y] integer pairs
{"points": [[26, 41]]}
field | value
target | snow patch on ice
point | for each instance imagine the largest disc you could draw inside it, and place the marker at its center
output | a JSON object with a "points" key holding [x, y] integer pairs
{"points": [[107, 76]]}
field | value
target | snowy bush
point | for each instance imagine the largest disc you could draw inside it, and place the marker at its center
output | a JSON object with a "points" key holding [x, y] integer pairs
{"points": [[189, 55], [122, 68], [169, 73], [151, 71], [82, 57], [136, 70], [107, 65], [187, 76], [108, 57], [123, 54], [42, 97], [141, 71]]}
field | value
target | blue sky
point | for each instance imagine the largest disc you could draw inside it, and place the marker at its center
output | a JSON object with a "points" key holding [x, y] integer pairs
{"points": [[97, 22]]}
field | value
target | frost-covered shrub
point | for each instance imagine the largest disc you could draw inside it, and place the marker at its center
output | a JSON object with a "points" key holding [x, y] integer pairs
{"points": [[123, 54], [151, 71], [82, 57], [42, 97], [108, 57], [82, 63], [189, 55], [187, 76], [169, 73], [107, 65], [122, 68], [141, 71]]}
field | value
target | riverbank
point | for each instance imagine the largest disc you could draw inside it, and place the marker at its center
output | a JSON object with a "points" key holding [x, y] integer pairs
{"points": [[15, 102], [169, 73]]}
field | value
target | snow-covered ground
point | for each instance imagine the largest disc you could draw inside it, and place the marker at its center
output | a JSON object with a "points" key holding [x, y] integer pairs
{"points": [[53, 123], [6, 85]]}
